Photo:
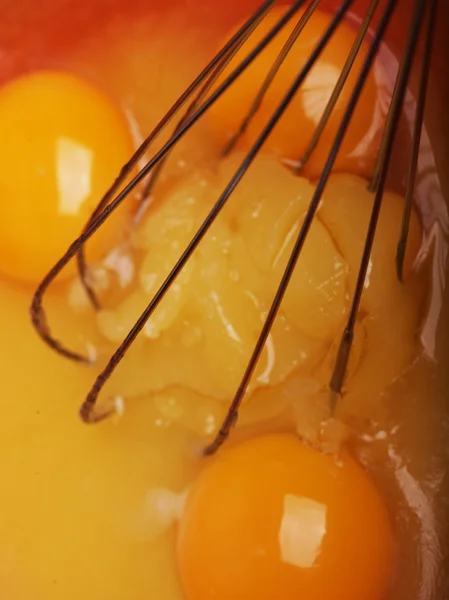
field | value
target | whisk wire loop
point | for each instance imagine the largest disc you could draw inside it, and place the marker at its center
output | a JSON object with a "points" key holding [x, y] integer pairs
{"points": [[199, 98], [110, 202], [87, 409]]}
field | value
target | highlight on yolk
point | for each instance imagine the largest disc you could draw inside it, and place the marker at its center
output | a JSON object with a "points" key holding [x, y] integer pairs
{"points": [[63, 144], [271, 518], [293, 132]]}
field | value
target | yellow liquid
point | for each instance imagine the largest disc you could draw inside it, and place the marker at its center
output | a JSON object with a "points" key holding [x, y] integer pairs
{"points": [[76, 519]]}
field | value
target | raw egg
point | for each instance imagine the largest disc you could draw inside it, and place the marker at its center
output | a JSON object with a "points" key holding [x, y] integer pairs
{"points": [[294, 131], [271, 518], [64, 141]]}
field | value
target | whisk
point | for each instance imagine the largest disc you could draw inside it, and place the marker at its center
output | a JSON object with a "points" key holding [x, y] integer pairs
{"points": [[198, 100]]}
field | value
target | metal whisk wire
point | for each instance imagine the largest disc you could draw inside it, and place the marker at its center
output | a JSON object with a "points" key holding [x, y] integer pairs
{"points": [[199, 105], [378, 183], [113, 198]]}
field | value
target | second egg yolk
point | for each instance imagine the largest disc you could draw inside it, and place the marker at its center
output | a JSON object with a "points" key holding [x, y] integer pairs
{"points": [[294, 131], [271, 518], [63, 144]]}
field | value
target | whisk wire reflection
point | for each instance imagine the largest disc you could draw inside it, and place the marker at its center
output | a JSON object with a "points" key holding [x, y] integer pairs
{"points": [[198, 106]]}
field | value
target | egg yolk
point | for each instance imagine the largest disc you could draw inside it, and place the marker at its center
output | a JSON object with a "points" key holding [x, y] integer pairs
{"points": [[63, 143], [294, 131], [271, 518]]}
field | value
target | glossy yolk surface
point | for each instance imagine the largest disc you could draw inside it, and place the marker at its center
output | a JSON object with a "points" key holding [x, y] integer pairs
{"points": [[64, 142], [295, 130], [270, 518]]}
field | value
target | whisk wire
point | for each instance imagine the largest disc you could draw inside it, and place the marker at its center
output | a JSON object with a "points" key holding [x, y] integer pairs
{"points": [[395, 101], [87, 410], [201, 99], [416, 140], [271, 76], [338, 86], [214, 65], [302, 235], [37, 312], [202, 94], [389, 137]]}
